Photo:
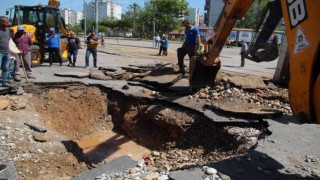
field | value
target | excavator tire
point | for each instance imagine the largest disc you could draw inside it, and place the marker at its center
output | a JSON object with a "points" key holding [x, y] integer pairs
{"points": [[37, 55]]}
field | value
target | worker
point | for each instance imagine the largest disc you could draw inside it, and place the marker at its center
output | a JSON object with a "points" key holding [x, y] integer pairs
{"points": [[164, 44], [53, 40], [244, 48], [92, 44], [23, 42], [4, 50], [73, 46], [191, 45]]}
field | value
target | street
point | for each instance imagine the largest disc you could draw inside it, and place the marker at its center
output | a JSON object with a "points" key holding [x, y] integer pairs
{"points": [[143, 122]]}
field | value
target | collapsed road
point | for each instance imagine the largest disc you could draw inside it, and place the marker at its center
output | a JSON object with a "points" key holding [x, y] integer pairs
{"points": [[142, 122]]}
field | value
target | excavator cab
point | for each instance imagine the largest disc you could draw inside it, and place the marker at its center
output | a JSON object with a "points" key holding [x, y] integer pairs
{"points": [[37, 21]]}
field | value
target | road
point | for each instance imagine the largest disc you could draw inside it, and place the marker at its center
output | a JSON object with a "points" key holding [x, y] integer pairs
{"points": [[229, 56]]}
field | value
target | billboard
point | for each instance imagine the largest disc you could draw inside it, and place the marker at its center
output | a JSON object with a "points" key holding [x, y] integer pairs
{"points": [[246, 36]]}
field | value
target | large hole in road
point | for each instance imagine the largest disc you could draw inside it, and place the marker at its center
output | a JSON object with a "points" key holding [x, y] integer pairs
{"points": [[102, 124]]}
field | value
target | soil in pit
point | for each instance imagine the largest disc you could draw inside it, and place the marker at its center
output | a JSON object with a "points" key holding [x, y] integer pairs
{"points": [[68, 114]]}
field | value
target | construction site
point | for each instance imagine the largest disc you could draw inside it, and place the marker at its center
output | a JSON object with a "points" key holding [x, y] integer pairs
{"points": [[135, 117]]}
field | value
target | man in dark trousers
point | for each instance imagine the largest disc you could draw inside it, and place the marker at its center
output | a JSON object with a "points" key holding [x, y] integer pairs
{"points": [[191, 45], [4, 50], [73, 46], [92, 44], [23, 42], [53, 40]]}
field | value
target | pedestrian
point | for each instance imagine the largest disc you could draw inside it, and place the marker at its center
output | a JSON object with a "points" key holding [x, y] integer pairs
{"points": [[54, 42], [73, 45], [23, 42], [92, 44], [244, 48], [228, 43], [158, 41], [164, 44], [5, 50], [191, 45], [102, 40]]}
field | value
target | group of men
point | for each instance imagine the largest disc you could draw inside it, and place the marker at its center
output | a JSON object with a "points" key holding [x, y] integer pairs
{"points": [[15, 49], [18, 45]]}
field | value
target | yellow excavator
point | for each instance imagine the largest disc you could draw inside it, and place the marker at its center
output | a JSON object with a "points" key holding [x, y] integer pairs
{"points": [[37, 21], [301, 19]]}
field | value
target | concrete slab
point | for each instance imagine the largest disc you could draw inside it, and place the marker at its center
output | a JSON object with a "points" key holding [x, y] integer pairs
{"points": [[183, 175], [109, 68], [97, 74], [10, 172], [117, 165], [181, 86], [245, 110], [248, 82], [72, 74], [162, 77]]}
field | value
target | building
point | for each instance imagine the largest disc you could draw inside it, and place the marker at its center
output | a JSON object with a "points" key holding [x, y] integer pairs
{"points": [[213, 8], [71, 17], [66, 14], [106, 9], [194, 16], [78, 17]]}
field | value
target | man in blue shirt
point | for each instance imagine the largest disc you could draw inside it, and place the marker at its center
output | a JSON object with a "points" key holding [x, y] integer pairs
{"points": [[191, 45], [53, 40]]}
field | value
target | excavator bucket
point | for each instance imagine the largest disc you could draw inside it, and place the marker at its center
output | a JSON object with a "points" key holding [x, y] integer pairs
{"points": [[266, 54]]}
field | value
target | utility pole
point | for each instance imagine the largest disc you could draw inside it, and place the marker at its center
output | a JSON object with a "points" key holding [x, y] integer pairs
{"points": [[85, 20], [97, 17], [154, 25]]}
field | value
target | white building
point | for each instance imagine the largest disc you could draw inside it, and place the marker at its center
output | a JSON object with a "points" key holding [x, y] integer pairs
{"points": [[194, 16], [71, 17], [213, 8], [66, 13], [78, 17], [106, 9]]}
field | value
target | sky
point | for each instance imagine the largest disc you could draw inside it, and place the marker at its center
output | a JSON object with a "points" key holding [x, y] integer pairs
{"points": [[78, 4]]}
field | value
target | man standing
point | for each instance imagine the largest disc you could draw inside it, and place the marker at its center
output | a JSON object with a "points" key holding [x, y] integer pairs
{"points": [[244, 48], [4, 50], [191, 45], [53, 40], [73, 46], [92, 44], [23, 42], [158, 40]]}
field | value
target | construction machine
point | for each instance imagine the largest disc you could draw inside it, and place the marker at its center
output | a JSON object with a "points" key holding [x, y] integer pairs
{"points": [[303, 35], [37, 21]]}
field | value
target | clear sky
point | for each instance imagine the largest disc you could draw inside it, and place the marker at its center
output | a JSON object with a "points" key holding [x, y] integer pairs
{"points": [[78, 4]]}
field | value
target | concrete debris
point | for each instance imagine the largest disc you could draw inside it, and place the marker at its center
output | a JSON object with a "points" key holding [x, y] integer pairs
{"points": [[40, 137], [72, 74], [4, 104]]}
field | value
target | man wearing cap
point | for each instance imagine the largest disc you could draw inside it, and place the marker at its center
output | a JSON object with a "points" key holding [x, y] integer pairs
{"points": [[191, 45], [23, 42], [4, 50], [53, 40]]}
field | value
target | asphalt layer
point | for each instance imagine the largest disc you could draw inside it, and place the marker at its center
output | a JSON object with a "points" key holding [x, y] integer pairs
{"points": [[285, 149]]}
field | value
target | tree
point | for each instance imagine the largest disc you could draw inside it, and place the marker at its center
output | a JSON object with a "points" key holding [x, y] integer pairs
{"points": [[89, 24], [134, 8], [250, 19]]}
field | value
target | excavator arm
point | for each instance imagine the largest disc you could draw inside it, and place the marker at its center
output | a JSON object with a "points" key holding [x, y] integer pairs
{"points": [[301, 18], [232, 11]]}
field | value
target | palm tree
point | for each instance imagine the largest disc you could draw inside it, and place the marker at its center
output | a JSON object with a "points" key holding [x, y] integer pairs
{"points": [[135, 9]]}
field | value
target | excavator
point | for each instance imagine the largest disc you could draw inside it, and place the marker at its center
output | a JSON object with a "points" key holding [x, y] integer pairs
{"points": [[301, 18], [37, 21]]}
